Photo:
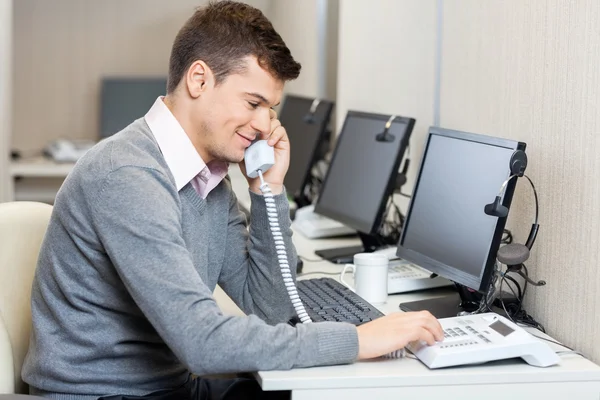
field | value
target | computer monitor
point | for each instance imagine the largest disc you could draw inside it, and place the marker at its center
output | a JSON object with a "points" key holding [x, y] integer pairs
{"points": [[446, 230], [362, 177], [124, 100], [306, 121]]}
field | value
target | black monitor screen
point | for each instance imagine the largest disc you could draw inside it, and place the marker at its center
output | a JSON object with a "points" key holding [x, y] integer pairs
{"points": [[446, 230], [363, 170], [307, 131], [123, 100]]}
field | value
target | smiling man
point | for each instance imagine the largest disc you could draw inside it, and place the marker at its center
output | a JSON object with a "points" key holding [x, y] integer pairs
{"points": [[147, 225]]}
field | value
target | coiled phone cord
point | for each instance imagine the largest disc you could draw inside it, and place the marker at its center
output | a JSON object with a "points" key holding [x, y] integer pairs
{"points": [[284, 265], [282, 257]]}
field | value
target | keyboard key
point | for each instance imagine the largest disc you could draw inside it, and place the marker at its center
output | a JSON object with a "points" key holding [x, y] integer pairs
{"points": [[334, 302]]}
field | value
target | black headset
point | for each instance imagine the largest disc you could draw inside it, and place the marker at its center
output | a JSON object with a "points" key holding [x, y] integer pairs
{"points": [[386, 136], [513, 255], [310, 118]]}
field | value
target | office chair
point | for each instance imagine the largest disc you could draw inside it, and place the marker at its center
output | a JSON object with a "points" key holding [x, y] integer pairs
{"points": [[7, 382], [22, 229]]}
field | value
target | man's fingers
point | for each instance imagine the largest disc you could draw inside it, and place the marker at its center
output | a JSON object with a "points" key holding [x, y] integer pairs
{"points": [[277, 135], [427, 336]]}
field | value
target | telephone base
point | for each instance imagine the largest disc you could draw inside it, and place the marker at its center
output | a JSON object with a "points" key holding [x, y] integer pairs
{"points": [[480, 338]]}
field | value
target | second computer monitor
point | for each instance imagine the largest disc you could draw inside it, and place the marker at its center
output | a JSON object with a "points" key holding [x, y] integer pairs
{"points": [[363, 170], [306, 121]]}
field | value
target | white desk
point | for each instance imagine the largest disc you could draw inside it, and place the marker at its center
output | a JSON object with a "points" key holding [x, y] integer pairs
{"points": [[39, 167], [575, 377], [51, 173]]}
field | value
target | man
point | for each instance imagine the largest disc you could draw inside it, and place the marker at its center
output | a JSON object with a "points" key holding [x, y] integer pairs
{"points": [[147, 225]]}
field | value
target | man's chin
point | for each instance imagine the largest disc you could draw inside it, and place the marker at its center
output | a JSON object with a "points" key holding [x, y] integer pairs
{"points": [[233, 159]]}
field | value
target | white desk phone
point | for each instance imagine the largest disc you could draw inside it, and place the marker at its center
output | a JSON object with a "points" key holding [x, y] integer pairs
{"points": [[479, 338], [469, 339], [68, 151]]}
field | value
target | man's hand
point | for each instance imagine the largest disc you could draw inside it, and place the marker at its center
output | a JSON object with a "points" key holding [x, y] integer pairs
{"points": [[274, 176], [395, 331]]}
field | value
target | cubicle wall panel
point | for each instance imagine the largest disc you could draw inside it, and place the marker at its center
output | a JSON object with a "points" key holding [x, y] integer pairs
{"points": [[6, 7], [386, 63], [528, 70], [297, 23]]}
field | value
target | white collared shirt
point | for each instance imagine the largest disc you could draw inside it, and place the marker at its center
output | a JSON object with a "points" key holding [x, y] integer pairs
{"points": [[181, 156]]}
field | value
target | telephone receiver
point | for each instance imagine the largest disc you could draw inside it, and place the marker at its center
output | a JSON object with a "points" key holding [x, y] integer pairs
{"points": [[259, 156]]}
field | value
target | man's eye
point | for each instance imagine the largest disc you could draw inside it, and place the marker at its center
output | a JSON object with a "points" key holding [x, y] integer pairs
{"points": [[253, 105]]}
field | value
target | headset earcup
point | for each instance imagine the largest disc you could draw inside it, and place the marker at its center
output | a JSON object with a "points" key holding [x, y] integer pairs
{"points": [[513, 254]]}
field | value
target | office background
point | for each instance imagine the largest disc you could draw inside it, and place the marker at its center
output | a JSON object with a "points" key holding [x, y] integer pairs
{"points": [[520, 69]]}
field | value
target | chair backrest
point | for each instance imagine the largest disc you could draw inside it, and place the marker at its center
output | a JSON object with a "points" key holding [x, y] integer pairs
{"points": [[22, 229], [7, 372]]}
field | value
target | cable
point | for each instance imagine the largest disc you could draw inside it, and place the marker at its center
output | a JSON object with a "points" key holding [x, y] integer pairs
{"points": [[502, 302], [507, 237], [282, 257], [562, 353], [553, 341], [318, 272], [390, 228], [284, 266], [517, 315], [513, 280], [310, 259]]}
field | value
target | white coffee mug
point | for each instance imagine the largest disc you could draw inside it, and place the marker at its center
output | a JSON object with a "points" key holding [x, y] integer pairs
{"points": [[370, 277]]}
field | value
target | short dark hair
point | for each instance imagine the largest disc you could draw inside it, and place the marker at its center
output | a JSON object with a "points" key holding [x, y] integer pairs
{"points": [[223, 33]]}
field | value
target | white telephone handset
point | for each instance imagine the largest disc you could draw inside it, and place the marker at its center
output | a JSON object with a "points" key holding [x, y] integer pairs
{"points": [[259, 157]]}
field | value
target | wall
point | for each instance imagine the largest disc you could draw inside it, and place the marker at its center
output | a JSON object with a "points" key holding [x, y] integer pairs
{"points": [[309, 28], [528, 70], [387, 65], [296, 22], [5, 96], [64, 47]]}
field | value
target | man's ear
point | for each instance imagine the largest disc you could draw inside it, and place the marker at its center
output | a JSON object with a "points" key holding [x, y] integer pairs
{"points": [[197, 78]]}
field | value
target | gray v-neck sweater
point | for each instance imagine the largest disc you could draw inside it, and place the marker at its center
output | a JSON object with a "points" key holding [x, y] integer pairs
{"points": [[122, 296]]}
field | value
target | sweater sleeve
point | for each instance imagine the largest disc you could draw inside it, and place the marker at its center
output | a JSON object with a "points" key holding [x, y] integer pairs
{"points": [[252, 275], [138, 220]]}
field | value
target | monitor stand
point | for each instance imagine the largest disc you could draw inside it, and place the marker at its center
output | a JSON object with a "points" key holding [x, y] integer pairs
{"points": [[465, 300], [345, 255]]}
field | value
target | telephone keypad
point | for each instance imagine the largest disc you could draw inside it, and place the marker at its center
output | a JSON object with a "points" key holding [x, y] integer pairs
{"points": [[457, 337]]}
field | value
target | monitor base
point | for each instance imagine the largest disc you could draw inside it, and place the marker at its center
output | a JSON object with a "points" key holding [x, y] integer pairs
{"points": [[345, 255], [340, 255], [439, 307], [445, 307]]}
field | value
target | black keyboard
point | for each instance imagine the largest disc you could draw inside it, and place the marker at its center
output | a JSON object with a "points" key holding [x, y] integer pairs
{"points": [[326, 299]]}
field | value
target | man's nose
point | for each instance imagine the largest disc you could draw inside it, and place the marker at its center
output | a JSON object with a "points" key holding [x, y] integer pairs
{"points": [[262, 122]]}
